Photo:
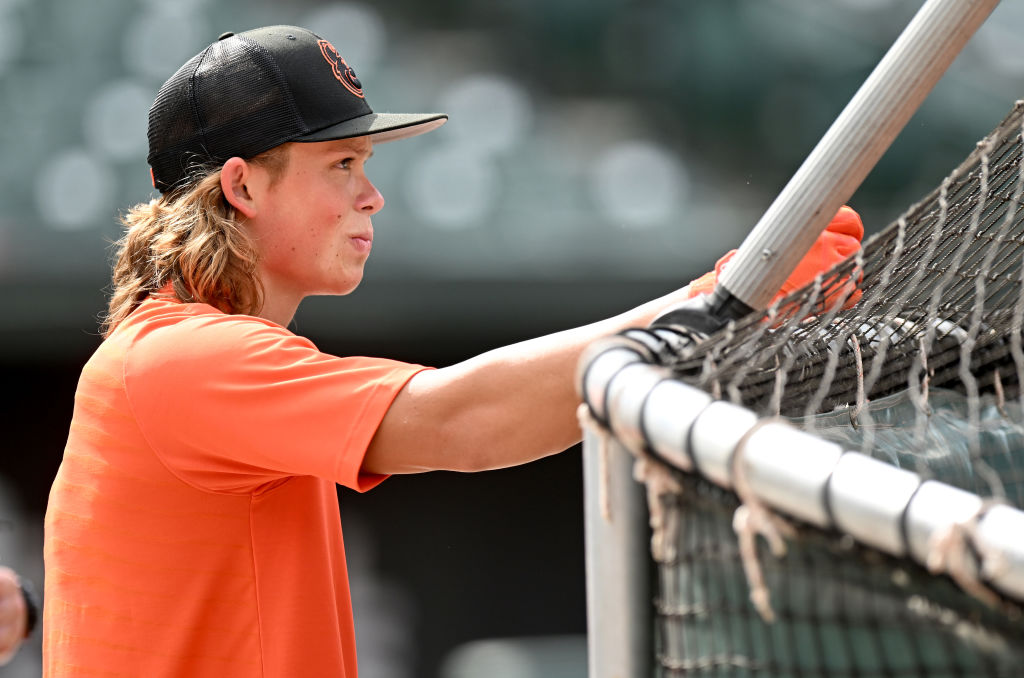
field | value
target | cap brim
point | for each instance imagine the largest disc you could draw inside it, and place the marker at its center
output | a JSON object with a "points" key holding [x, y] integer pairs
{"points": [[383, 127]]}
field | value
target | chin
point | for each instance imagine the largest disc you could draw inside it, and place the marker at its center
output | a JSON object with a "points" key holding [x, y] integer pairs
{"points": [[341, 289]]}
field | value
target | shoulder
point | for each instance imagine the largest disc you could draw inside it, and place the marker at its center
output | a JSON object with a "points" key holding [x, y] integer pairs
{"points": [[219, 398], [194, 350], [197, 336]]}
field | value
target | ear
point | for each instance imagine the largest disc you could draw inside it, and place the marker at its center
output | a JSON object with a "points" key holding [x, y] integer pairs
{"points": [[236, 177]]}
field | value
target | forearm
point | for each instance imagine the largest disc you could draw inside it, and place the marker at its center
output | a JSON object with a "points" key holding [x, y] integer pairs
{"points": [[502, 408]]}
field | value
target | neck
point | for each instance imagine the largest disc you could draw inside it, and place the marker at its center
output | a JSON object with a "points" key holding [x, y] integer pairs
{"points": [[279, 308]]}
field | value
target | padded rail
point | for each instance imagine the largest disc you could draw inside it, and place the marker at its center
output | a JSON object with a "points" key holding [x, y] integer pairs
{"points": [[805, 477]]}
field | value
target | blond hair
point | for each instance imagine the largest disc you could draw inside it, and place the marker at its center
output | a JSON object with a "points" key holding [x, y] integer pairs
{"points": [[192, 238]]}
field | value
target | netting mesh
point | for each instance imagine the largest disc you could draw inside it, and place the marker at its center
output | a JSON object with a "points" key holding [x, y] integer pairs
{"points": [[940, 307], [841, 610], [923, 369]]}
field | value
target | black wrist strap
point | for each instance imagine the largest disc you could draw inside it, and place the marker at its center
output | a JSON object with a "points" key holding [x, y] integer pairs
{"points": [[31, 605]]}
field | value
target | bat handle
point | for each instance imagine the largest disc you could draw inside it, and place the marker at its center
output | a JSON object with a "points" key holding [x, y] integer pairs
{"points": [[849, 150]]}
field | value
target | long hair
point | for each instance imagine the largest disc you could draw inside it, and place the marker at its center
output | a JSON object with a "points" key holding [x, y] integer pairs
{"points": [[192, 238]]}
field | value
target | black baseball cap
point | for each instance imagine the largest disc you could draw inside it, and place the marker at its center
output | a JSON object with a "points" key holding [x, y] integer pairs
{"points": [[249, 92]]}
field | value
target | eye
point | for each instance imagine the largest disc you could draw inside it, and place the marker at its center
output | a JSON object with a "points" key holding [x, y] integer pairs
{"points": [[346, 163]]}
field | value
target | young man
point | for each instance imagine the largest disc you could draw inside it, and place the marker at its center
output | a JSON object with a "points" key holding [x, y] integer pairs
{"points": [[192, 528]]}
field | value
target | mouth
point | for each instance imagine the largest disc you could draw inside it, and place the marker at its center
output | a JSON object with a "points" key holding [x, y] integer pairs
{"points": [[362, 242]]}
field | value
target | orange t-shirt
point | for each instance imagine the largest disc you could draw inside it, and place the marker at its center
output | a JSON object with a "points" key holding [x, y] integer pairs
{"points": [[193, 528]]}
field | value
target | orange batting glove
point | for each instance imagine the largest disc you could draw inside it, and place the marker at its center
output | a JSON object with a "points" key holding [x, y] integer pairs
{"points": [[840, 239]]}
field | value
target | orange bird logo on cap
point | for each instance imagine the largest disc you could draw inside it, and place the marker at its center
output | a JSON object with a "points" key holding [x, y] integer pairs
{"points": [[342, 71]]}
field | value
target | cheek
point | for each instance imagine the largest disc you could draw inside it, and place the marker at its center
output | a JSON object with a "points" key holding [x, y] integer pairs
{"points": [[283, 247], [303, 232]]}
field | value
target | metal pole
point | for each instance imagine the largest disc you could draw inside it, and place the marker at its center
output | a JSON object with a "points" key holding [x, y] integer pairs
{"points": [[851, 148], [619, 608]]}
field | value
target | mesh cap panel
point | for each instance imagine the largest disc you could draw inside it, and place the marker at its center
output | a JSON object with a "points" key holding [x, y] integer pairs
{"points": [[230, 100], [172, 124], [269, 117]]}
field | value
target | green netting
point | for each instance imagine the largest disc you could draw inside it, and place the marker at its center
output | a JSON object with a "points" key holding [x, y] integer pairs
{"points": [[842, 610]]}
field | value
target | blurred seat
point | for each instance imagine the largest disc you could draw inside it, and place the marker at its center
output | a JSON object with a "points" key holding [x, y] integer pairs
{"points": [[535, 657]]}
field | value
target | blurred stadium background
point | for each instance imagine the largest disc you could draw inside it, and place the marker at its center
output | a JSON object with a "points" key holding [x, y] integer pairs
{"points": [[599, 152]]}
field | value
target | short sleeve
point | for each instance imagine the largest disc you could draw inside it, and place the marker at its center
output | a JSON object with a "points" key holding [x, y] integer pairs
{"points": [[232, 404]]}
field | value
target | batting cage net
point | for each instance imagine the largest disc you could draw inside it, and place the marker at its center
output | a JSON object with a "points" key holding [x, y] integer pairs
{"points": [[835, 485]]}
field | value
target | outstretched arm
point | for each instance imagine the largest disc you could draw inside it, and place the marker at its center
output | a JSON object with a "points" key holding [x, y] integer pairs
{"points": [[502, 408], [518, 403]]}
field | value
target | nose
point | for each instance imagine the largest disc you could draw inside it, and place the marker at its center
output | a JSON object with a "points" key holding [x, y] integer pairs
{"points": [[370, 199]]}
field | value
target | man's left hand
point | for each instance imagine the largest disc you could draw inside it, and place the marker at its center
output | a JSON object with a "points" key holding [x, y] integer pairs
{"points": [[13, 615]]}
